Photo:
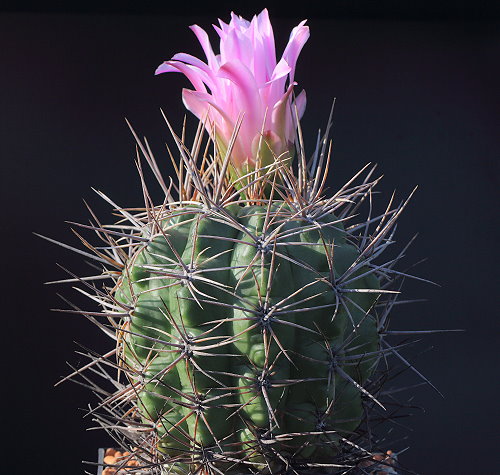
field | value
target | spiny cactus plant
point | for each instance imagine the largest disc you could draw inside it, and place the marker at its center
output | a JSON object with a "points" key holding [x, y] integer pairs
{"points": [[249, 308]]}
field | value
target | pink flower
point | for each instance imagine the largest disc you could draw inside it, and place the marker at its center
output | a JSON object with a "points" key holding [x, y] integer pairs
{"points": [[245, 79]]}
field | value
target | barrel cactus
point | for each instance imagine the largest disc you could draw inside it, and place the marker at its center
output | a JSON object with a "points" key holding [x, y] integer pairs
{"points": [[249, 322], [249, 309]]}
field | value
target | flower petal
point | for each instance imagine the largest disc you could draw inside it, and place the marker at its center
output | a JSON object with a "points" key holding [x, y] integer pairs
{"points": [[195, 75], [206, 72], [266, 30], [281, 113], [199, 103], [281, 70], [195, 102], [300, 103], [300, 34], [202, 36], [245, 93]]}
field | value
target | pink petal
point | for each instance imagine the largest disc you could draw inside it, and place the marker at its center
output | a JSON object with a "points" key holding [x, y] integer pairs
{"points": [[281, 113], [192, 73], [300, 102], [272, 90], [298, 37], [245, 93], [238, 22], [236, 46], [266, 30], [202, 36], [224, 27], [264, 53], [195, 102], [219, 31], [165, 68], [207, 74], [281, 70], [199, 103]]}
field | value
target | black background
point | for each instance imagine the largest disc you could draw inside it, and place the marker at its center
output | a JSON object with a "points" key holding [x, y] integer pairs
{"points": [[417, 93]]}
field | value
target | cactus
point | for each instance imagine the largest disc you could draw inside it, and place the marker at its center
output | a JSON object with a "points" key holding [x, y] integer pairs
{"points": [[246, 318], [249, 312], [249, 330]]}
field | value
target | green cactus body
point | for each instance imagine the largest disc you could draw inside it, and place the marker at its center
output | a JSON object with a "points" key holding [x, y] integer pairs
{"points": [[249, 323]]}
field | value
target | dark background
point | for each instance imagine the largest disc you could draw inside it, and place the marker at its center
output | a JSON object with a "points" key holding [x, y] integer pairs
{"points": [[417, 93]]}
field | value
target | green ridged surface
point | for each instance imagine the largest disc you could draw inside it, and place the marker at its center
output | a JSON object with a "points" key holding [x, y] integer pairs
{"points": [[249, 337]]}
